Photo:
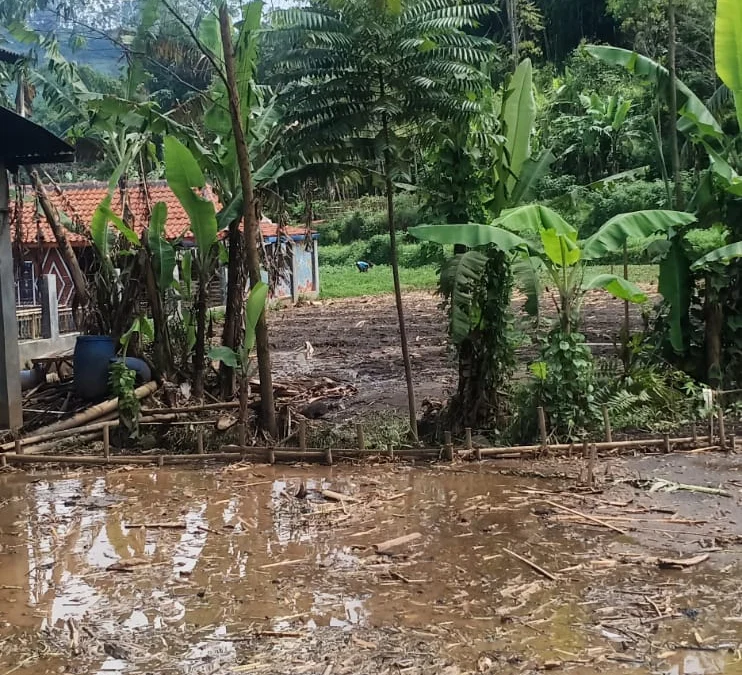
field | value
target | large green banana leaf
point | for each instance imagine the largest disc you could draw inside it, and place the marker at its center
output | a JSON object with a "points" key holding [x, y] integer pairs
{"points": [[519, 113], [728, 48], [618, 287], [694, 114], [611, 237], [163, 252], [458, 277], [183, 174], [725, 255], [471, 235], [535, 218], [674, 286]]}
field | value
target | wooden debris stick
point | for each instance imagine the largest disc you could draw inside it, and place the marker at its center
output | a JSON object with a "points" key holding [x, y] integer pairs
{"points": [[448, 443], [338, 496], [284, 563], [227, 405], [157, 526], [593, 453], [107, 441], [694, 433], [387, 547], [732, 443], [531, 564], [328, 456], [58, 435], [672, 563], [359, 437], [200, 440], [597, 521]]}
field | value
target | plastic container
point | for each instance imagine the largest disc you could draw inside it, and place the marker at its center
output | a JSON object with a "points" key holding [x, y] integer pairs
{"points": [[92, 359], [143, 371]]}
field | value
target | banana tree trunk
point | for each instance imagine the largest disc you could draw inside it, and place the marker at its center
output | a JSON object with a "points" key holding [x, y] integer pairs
{"points": [[235, 301], [679, 197], [199, 353], [714, 315], [250, 218]]}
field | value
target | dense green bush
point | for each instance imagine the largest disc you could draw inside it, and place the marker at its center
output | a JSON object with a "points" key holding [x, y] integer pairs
{"points": [[377, 250]]}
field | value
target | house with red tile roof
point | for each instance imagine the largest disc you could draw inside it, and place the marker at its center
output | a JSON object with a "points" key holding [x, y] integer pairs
{"points": [[36, 252]]}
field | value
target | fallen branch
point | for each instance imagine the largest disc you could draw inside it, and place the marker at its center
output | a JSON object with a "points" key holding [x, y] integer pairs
{"points": [[338, 496], [531, 564], [681, 563], [670, 486]]}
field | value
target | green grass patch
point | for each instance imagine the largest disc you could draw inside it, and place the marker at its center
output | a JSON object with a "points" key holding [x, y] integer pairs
{"points": [[348, 282]]}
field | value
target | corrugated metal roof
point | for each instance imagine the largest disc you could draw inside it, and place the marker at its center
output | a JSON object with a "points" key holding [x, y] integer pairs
{"points": [[6, 56], [22, 142]]}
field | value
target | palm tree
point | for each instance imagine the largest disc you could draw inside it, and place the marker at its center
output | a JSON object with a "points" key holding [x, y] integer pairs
{"points": [[361, 77]]}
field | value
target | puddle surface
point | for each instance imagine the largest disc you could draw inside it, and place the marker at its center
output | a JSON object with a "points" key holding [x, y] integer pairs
{"points": [[206, 558]]}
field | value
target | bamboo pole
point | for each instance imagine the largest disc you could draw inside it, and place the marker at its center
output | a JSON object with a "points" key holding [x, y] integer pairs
{"points": [[94, 412], [666, 443], [107, 441], [303, 435], [226, 405], [58, 435], [447, 441], [359, 436]]}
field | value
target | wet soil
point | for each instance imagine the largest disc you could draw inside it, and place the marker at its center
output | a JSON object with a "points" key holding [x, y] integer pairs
{"points": [[357, 339], [227, 571]]}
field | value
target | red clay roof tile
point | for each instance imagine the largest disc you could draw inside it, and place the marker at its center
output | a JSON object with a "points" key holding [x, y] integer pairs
{"points": [[79, 201]]}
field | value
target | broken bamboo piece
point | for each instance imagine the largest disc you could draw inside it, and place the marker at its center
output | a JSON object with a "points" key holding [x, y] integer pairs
{"points": [[531, 564], [387, 547], [303, 435], [227, 405], [448, 444], [597, 521], [359, 437], [106, 440]]}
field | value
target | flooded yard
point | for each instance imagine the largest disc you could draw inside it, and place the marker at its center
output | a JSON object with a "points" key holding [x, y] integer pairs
{"points": [[253, 569]]}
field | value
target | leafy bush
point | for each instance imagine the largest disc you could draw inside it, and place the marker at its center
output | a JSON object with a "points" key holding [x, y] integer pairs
{"points": [[377, 250]]}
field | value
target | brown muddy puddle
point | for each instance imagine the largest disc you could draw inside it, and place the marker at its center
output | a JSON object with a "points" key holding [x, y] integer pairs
{"points": [[226, 571]]}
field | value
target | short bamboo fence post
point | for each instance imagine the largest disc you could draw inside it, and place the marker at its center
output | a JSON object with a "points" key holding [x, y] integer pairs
{"points": [[303, 435], [666, 443], [359, 437], [607, 424], [200, 441], [107, 441], [19, 446], [328, 456], [448, 444], [542, 427], [722, 429]]}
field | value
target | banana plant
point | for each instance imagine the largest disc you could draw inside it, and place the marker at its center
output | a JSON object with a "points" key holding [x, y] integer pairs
{"points": [[551, 249], [241, 359], [187, 181]]}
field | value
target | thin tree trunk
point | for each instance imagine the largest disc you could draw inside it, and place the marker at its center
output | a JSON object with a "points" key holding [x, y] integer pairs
{"points": [[398, 292], [79, 282], [199, 355], [250, 217], [235, 301], [714, 317], [162, 350], [679, 198]]}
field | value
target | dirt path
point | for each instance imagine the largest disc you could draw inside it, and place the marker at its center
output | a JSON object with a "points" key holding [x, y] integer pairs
{"points": [[227, 571], [358, 340]]}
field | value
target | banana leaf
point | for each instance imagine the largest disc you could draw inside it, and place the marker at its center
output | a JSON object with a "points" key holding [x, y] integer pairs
{"points": [[163, 253], [471, 235], [728, 49], [618, 287], [611, 237], [724, 255], [458, 277], [519, 113], [674, 286]]}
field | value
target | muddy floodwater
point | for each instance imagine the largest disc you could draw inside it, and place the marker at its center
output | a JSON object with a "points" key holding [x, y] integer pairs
{"points": [[255, 569]]}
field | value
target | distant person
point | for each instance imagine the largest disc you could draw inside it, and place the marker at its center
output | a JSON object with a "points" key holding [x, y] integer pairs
{"points": [[364, 266]]}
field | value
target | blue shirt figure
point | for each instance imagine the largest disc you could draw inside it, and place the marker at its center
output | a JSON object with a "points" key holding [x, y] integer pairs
{"points": [[363, 266]]}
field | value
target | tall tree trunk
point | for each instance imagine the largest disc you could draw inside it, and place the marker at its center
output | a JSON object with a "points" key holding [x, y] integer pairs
{"points": [[235, 301], [679, 198], [250, 218], [512, 11], [82, 296], [714, 320], [398, 288]]}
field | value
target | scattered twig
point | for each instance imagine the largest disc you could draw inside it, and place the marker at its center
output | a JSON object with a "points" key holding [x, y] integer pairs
{"points": [[531, 564]]}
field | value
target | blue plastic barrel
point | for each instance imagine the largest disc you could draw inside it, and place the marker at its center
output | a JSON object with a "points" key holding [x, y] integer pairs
{"points": [[143, 371], [92, 359]]}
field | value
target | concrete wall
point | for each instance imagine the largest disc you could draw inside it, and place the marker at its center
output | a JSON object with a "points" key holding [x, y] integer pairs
{"points": [[35, 349]]}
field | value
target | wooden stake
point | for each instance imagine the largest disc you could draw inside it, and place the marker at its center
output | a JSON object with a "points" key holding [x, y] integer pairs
{"points": [[591, 466], [3, 461], [107, 441], [241, 434], [570, 450], [19, 447], [607, 424], [271, 456], [160, 460], [200, 440], [328, 456], [732, 443], [542, 426], [585, 449], [694, 433], [449, 445], [722, 430], [469, 445], [390, 450], [303, 435], [711, 427], [666, 443], [359, 436]]}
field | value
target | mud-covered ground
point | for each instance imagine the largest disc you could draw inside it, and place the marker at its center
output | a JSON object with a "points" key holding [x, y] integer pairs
{"points": [[253, 569], [357, 339]]}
